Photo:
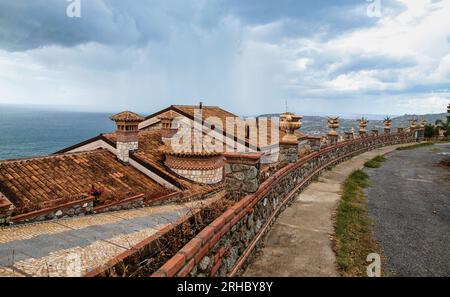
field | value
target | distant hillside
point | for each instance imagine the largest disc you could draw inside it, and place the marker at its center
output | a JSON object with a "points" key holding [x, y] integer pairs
{"points": [[318, 124]]}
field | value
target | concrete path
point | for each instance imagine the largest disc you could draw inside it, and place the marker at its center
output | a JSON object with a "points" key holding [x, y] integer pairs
{"points": [[409, 202], [300, 242], [72, 247]]}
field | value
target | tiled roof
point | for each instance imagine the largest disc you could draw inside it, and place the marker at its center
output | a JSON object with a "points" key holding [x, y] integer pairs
{"points": [[214, 111], [41, 182], [127, 116], [207, 111], [152, 153]]}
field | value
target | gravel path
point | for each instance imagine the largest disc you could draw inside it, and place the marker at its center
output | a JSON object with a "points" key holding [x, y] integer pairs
{"points": [[409, 201]]}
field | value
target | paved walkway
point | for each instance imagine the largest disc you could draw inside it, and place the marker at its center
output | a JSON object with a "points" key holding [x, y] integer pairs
{"points": [[300, 242], [75, 246], [409, 202]]}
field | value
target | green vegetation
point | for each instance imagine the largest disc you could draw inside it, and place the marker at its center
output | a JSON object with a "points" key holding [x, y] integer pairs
{"points": [[431, 131], [354, 237], [375, 162], [445, 124], [414, 146], [436, 150]]}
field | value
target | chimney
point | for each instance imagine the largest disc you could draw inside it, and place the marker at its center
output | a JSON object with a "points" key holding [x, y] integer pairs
{"points": [[127, 133], [168, 125]]}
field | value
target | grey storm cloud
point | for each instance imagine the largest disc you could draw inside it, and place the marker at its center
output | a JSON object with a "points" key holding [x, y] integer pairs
{"points": [[245, 55], [31, 24]]}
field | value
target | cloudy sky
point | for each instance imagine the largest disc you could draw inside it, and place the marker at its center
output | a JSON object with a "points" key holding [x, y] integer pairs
{"points": [[249, 56]]}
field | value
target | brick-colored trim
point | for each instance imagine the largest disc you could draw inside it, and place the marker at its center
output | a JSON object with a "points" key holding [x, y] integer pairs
{"points": [[174, 265], [289, 143], [235, 156]]}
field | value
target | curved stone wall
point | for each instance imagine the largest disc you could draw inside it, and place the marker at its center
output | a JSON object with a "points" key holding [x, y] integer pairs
{"points": [[206, 169], [226, 245], [208, 177]]}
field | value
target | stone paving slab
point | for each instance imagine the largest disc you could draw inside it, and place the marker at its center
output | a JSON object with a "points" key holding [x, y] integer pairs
{"points": [[72, 247]]}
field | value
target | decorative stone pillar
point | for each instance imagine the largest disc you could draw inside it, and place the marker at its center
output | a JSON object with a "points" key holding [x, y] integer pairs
{"points": [[289, 123], [421, 130], [349, 135], [242, 174], [314, 142], [333, 124], [387, 125], [363, 122], [288, 152], [413, 125]]}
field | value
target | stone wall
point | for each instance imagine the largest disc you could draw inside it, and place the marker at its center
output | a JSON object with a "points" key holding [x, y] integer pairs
{"points": [[72, 209], [5, 216], [212, 176], [314, 143], [129, 203], [288, 153], [242, 174], [226, 246]]}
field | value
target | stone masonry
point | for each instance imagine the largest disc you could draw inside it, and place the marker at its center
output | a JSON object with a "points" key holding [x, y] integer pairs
{"points": [[288, 152], [212, 176], [229, 243], [124, 148], [242, 174]]}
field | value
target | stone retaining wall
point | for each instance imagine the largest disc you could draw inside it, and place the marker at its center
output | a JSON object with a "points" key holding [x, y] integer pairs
{"points": [[129, 203], [72, 209], [6, 209], [226, 246]]}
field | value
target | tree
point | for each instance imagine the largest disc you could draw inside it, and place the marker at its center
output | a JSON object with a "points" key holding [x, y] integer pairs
{"points": [[431, 131], [445, 125]]}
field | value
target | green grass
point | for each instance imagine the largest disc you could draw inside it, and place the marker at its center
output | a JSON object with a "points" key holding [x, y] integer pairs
{"points": [[375, 162], [353, 228], [414, 146], [436, 150]]}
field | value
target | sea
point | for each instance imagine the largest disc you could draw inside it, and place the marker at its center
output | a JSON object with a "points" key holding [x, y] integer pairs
{"points": [[37, 131]]}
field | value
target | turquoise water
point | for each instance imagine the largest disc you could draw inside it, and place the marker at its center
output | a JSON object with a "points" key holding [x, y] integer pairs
{"points": [[27, 132]]}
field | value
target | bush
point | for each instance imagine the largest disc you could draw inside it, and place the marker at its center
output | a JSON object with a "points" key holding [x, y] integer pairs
{"points": [[431, 131], [375, 162]]}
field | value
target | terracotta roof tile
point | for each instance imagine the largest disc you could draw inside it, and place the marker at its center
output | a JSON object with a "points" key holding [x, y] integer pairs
{"points": [[127, 116], [151, 152], [41, 181]]}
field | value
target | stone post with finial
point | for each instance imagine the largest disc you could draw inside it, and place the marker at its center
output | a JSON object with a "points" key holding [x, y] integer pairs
{"points": [[289, 123], [387, 125], [333, 124], [363, 122]]}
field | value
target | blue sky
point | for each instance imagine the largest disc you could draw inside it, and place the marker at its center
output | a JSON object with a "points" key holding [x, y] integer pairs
{"points": [[249, 56]]}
